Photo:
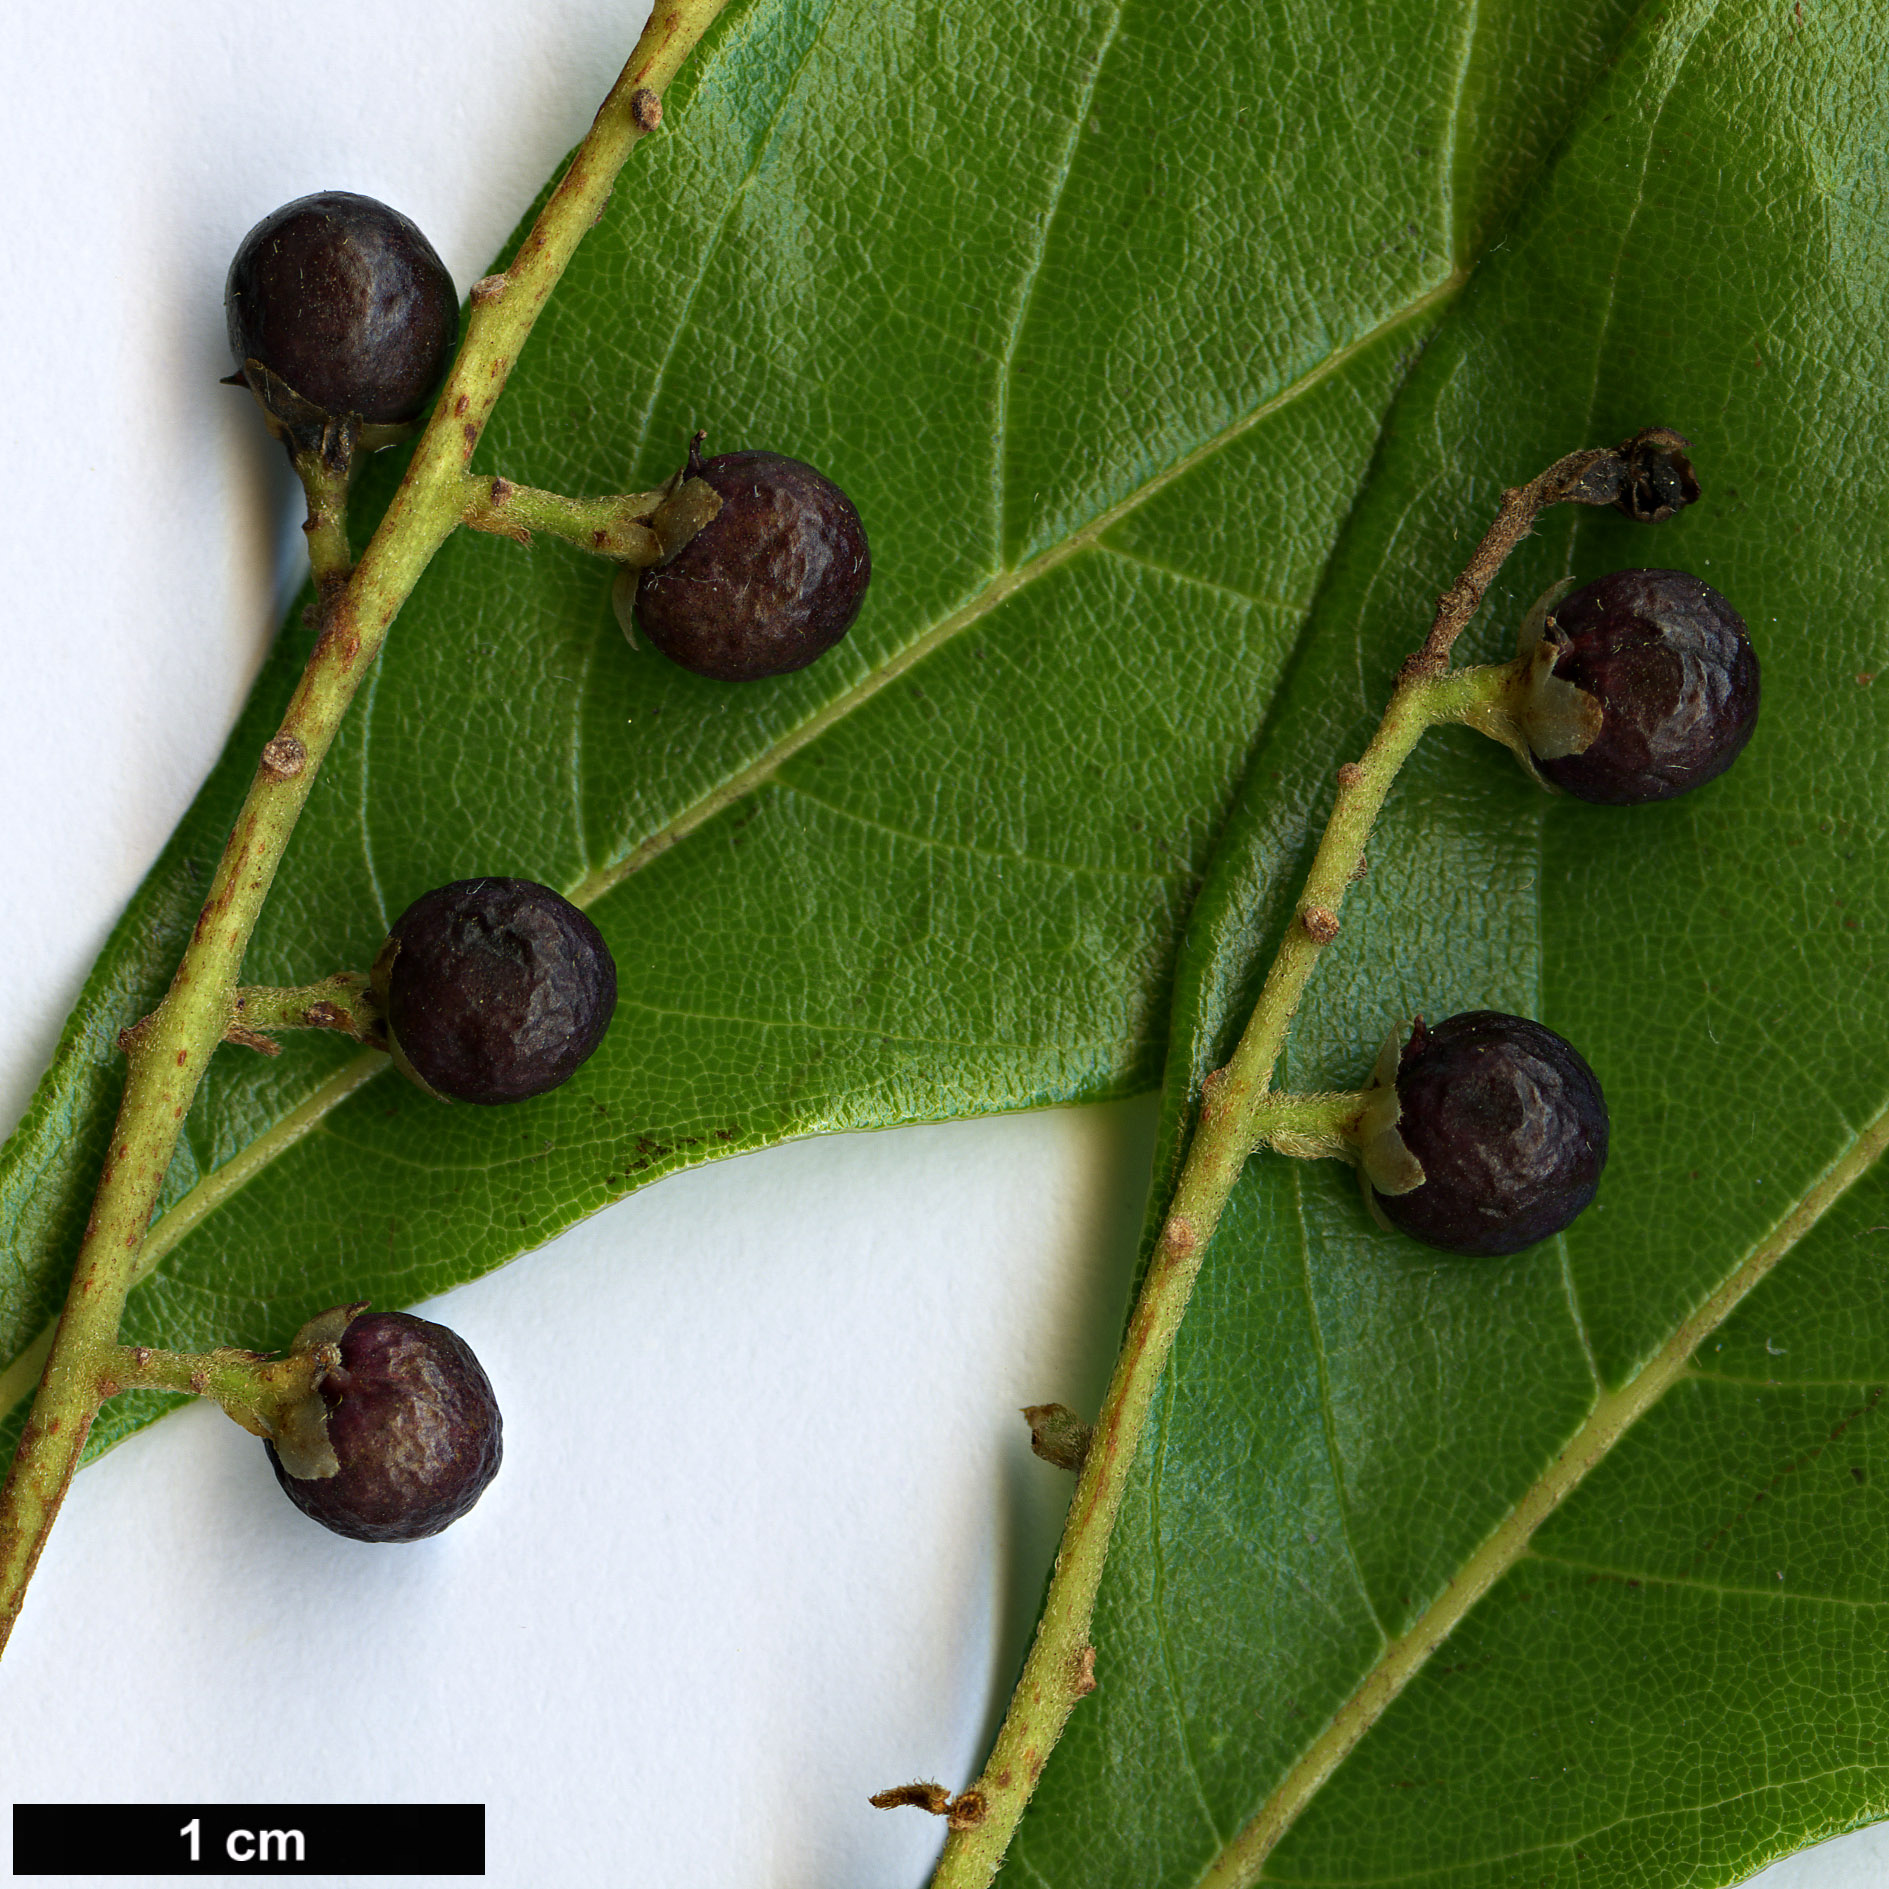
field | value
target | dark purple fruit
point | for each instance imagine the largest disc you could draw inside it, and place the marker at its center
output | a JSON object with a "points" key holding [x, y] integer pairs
{"points": [[346, 301], [1510, 1126], [772, 581], [414, 1424], [494, 989], [1676, 677]]}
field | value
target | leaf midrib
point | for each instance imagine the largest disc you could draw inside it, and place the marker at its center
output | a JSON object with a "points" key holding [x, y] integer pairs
{"points": [[18, 1379], [1614, 1413], [1448, 1871], [997, 590]]}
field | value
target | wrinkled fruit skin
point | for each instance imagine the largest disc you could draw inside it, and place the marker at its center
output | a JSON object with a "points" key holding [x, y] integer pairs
{"points": [[416, 1428], [772, 581], [347, 302], [495, 989], [1511, 1128], [1676, 677]]}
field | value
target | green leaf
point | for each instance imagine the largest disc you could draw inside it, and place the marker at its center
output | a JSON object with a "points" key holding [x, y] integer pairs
{"points": [[1096, 313], [1107, 316], [1330, 1610]]}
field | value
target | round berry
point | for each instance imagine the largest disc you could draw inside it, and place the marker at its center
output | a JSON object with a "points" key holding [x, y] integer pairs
{"points": [[346, 301], [494, 989], [772, 581], [1510, 1127], [1675, 675], [414, 1425]]}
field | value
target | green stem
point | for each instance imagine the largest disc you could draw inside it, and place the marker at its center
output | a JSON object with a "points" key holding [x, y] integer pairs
{"points": [[169, 1054], [1234, 1118], [1237, 1113], [615, 527], [343, 1002], [278, 1398], [1309, 1127], [627, 527], [325, 486], [245, 1384]]}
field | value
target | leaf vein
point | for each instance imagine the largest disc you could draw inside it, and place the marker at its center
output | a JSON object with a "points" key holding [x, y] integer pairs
{"points": [[1158, 1606], [1566, 1845], [1614, 1414], [1675, 68], [736, 197], [1202, 583], [1639, 1578], [371, 692], [929, 843], [1026, 288], [823, 1028], [1452, 130], [1328, 1416], [1697, 1376], [1574, 1313]]}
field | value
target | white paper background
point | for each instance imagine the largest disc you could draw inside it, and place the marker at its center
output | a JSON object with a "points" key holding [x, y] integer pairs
{"points": [[681, 1640]]}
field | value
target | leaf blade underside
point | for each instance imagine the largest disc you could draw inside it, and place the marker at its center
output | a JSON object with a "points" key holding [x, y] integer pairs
{"points": [[974, 906], [1357, 1441], [1109, 318]]}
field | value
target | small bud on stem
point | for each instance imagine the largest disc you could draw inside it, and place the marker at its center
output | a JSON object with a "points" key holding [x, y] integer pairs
{"points": [[1057, 1434]]}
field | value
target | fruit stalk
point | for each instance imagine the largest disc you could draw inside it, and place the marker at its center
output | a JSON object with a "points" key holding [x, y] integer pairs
{"points": [[637, 528], [1235, 1111], [325, 485], [615, 527], [1598, 475], [342, 1002], [169, 1052], [251, 1390], [1310, 1127]]}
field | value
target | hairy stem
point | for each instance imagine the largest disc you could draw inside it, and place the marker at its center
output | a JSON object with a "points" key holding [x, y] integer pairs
{"points": [[343, 1002], [325, 484], [169, 1053], [248, 1387], [1310, 1127], [1061, 1667], [627, 527], [615, 527], [1237, 1114]]}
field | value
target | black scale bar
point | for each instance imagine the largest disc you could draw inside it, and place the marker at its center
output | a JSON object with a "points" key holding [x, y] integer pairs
{"points": [[248, 1839]]}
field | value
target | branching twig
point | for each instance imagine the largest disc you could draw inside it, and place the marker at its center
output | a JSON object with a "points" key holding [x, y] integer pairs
{"points": [[1234, 1118], [171, 1049]]}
